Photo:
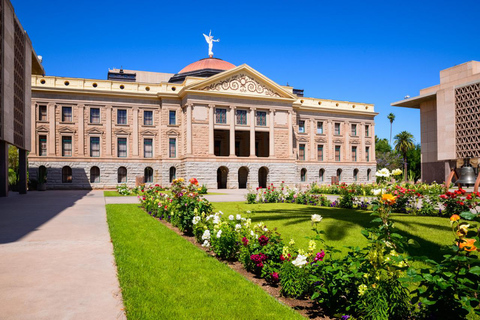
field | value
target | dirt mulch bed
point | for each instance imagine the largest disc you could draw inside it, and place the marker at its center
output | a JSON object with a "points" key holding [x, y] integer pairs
{"points": [[306, 307]]}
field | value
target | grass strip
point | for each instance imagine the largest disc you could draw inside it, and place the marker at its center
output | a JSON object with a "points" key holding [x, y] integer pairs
{"points": [[342, 226], [163, 276]]}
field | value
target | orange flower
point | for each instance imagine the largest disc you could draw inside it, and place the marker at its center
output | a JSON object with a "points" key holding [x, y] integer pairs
{"points": [[194, 181], [468, 245], [455, 217], [389, 199]]}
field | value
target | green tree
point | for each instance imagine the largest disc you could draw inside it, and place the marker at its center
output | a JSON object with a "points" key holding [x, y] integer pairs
{"points": [[382, 145], [391, 117], [13, 158], [414, 161], [404, 143]]}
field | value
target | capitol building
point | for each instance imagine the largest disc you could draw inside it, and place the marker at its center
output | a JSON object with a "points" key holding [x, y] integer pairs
{"points": [[228, 126]]}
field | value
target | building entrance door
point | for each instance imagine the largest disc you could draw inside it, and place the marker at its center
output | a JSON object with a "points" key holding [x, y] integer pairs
{"points": [[222, 174], [262, 177], [242, 178]]}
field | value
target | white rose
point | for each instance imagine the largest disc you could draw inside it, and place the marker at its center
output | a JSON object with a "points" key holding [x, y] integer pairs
{"points": [[206, 244], [206, 235], [196, 219], [216, 220], [239, 217], [300, 261], [238, 227], [316, 218], [219, 233], [377, 192], [230, 217]]}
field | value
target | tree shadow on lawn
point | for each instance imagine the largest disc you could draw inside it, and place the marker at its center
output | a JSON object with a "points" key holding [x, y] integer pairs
{"points": [[346, 218]]}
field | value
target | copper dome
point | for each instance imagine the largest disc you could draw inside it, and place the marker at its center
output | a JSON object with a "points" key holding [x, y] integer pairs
{"points": [[208, 63]]}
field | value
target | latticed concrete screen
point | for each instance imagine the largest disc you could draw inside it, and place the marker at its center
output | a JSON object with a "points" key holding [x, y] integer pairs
{"points": [[19, 87], [467, 121]]}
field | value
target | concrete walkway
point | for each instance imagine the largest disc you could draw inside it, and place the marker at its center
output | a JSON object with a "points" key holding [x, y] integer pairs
{"points": [[56, 258]]}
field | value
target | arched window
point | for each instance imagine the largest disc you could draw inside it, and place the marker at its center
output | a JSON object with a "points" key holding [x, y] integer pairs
{"points": [[355, 175], [94, 175], [303, 175], [173, 174], [148, 173], [339, 174], [369, 171], [321, 175], [122, 175], [67, 174]]}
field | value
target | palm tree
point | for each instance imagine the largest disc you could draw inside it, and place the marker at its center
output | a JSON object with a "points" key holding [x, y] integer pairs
{"points": [[391, 117], [404, 143]]}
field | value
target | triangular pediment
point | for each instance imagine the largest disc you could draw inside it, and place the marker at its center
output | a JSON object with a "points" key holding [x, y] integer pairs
{"points": [[122, 132], [148, 133], [94, 131], [66, 130], [42, 129], [172, 132], [242, 81]]}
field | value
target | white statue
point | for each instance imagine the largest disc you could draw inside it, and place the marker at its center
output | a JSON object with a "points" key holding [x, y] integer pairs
{"points": [[210, 42]]}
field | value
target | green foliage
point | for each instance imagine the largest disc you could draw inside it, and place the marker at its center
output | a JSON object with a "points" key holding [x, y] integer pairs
{"points": [[251, 197], [382, 145], [203, 189], [12, 177], [294, 281], [123, 190], [162, 276], [414, 163]]}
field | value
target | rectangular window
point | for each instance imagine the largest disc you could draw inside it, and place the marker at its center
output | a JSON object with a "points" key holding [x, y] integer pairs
{"points": [[354, 153], [172, 117], [94, 146], [337, 128], [172, 148], [94, 115], [42, 146], [261, 118], [66, 114], [301, 152], [367, 130], [242, 117], [354, 129], [367, 153], [220, 116], [148, 118], [337, 153], [319, 127], [148, 148], [301, 126], [42, 113], [67, 146], [122, 147], [320, 152], [121, 116]]}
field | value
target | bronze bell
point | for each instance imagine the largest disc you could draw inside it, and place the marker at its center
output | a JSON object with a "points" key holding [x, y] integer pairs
{"points": [[467, 175]]}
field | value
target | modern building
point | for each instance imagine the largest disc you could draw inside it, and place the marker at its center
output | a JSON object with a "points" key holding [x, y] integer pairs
{"points": [[450, 121], [18, 62], [229, 126]]}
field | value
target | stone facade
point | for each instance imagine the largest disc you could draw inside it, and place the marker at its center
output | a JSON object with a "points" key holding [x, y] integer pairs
{"points": [[234, 129], [18, 62], [449, 114]]}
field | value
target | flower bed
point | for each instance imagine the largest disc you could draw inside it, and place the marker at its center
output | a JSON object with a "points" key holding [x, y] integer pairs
{"points": [[368, 282]]}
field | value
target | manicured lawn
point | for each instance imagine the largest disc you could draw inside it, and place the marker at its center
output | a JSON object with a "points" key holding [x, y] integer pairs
{"points": [[112, 194], [342, 227], [163, 276]]}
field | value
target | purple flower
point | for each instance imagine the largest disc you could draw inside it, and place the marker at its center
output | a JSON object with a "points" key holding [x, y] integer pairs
{"points": [[345, 317]]}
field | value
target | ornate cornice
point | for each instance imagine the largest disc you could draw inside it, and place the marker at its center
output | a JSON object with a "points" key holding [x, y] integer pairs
{"points": [[241, 83]]}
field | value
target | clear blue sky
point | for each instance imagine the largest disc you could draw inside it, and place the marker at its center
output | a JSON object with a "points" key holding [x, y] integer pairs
{"points": [[361, 51]]}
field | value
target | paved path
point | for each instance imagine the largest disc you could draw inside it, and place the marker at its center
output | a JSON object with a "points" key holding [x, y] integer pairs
{"points": [[56, 258]]}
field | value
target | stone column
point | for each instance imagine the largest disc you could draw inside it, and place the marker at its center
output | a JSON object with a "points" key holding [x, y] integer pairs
{"points": [[271, 143], [346, 135], [3, 169], [189, 128], [34, 137], [290, 134], [211, 123], [232, 131], [52, 148], [330, 146], [312, 140], [81, 129], [361, 154], [22, 171], [372, 145], [135, 131], [108, 134], [252, 132]]}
